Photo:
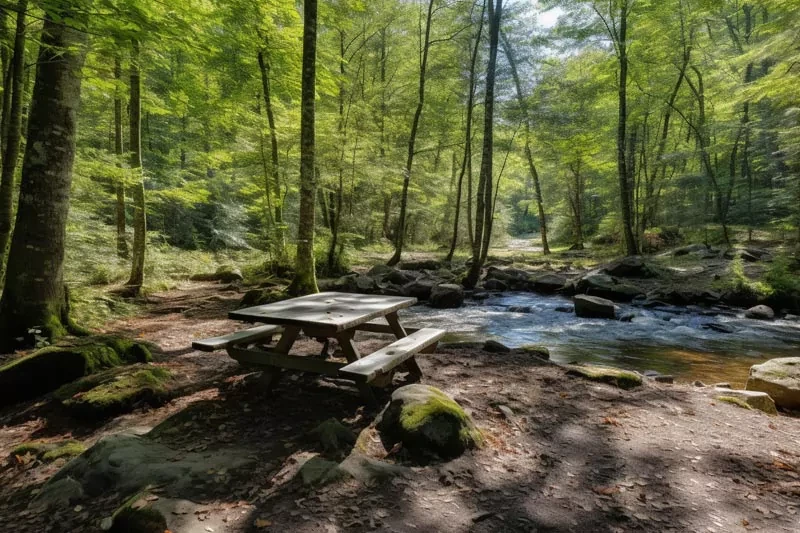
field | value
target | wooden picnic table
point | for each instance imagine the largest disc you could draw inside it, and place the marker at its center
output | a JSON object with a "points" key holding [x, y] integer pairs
{"points": [[328, 315]]}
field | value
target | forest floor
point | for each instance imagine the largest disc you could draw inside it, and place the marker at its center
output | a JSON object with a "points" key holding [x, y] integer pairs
{"points": [[575, 456]]}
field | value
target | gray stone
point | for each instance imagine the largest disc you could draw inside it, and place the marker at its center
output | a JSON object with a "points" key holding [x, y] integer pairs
{"points": [[335, 438], [127, 463], [630, 267], [605, 286], [549, 283], [565, 309], [419, 289], [520, 309], [493, 346], [428, 423], [760, 312], [379, 271], [780, 378], [495, 285], [447, 296], [58, 494], [756, 400], [594, 307], [319, 471], [401, 277], [427, 264], [368, 470]]}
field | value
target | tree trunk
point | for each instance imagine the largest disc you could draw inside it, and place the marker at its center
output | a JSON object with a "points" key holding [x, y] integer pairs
{"points": [[280, 237], [523, 106], [465, 163], [139, 209], [483, 215], [13, 135], [35, 295], [401, 223], [305, 279], [122, 242]]}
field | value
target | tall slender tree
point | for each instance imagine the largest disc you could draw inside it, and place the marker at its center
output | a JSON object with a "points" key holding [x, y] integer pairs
{"points": [[483, 215], [136, 279], [305, 279], [13, 134], [35, 296], [119, 186], [400, 232]]}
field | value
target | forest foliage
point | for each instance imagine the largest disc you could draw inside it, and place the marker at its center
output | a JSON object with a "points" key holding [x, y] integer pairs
{"points": [[623, 122]]}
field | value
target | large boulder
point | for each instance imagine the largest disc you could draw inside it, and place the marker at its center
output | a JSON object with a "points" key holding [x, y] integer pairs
{"points": [[630, 267], [126, 464], [513, 278], [355, 283], [224, 274], [760, 312], [401, 277], [594, 307], [49, 368], [380, 271], [115, 391], [426, 264], [495, 285], [262, 297], [746, 399], [605, 286], [447, 296], [549, 283], [780, 378], [420, 289], [694, 249], [428, 423]]}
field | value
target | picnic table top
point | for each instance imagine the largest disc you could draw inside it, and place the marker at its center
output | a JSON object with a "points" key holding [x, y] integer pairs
{"points": [[326, 310]]}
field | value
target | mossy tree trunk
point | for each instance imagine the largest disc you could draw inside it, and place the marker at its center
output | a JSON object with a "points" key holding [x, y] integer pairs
{"points": [[35, 296], [139, 218], [13, 134], [305, 279], [122, 243]]}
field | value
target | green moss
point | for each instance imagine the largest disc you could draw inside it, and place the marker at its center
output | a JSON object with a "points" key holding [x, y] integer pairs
{"points": [[623, 379], [49, 451], [115, 391], [142, 520], [735, 401], [413, 416], [534, 349]]}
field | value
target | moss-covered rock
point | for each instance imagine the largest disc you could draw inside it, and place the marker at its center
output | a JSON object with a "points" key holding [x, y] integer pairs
{"points": [[262, 297], [428, 423], [624, 379], [49, 451], [535, 350], [115, 391], [49, 368], [747, 399], [336, 439], [138, 520], [224, 274]]}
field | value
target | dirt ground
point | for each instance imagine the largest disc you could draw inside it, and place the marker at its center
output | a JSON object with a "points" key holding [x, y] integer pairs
{"points": [[575, 456]]}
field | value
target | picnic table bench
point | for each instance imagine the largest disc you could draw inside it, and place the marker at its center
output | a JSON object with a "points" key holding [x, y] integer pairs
{"points": [[327, 315]]}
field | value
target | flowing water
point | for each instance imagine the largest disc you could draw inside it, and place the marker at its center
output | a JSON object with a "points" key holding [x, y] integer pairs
{"points": [[669, 340]]}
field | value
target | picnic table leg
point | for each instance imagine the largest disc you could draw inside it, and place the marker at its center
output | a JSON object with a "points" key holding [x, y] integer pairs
{"points": [[399, 331], [270, 375], [350, 352]]}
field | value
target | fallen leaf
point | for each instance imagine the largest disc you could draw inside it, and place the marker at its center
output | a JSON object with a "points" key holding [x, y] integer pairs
{"points": [[261, 523], [606, 491], [780, 465], [611, 421]]}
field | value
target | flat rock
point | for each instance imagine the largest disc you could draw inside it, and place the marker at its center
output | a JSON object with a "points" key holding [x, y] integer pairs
{"points": [[760, 312], [754, 399], [594, 307], [780, 378], [446, 296]]}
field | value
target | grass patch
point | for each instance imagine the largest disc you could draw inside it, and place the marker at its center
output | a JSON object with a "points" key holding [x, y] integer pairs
{"points": [[624, 379], [49, 451], [738, 402]]}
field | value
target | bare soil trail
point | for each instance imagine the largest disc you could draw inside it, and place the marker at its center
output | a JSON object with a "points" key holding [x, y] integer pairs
{"points": [[572, 456]]}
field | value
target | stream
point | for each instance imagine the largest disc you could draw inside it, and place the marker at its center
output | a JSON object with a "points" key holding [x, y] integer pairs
{"points": [[669, 339]]}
